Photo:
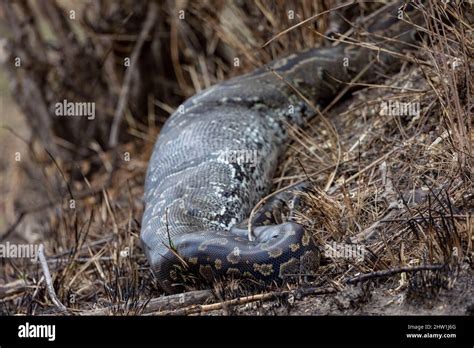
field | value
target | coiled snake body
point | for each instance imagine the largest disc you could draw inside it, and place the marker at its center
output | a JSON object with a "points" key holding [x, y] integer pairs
{"points": [[194, 195]]}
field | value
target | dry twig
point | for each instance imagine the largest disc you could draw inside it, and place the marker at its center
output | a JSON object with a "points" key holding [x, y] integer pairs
{"points": [[49, 281]]}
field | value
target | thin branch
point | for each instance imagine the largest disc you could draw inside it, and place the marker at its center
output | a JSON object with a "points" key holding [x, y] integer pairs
{"points": [[49, 281], [298, 294], [390, 272], [164, 303]]}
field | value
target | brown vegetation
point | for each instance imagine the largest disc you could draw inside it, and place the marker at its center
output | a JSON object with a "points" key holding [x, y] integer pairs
{"points": [[400, 186]]}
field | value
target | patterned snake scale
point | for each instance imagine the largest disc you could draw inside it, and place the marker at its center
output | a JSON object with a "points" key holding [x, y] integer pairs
{"points": [[194, 196]]}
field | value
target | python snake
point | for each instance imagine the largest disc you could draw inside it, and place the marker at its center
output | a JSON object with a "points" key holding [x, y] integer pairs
{"points": [[195, 196]]}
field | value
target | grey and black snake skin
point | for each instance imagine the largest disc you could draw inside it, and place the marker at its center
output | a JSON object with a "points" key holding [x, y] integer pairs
{"points": [[194, 195]]}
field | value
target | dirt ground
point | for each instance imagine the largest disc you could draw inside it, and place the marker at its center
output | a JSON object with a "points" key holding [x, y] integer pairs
{"points": [[373, 299]]}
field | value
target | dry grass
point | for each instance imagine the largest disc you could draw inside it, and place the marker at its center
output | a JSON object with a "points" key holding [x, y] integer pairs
{"points": [[400, 186]]}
